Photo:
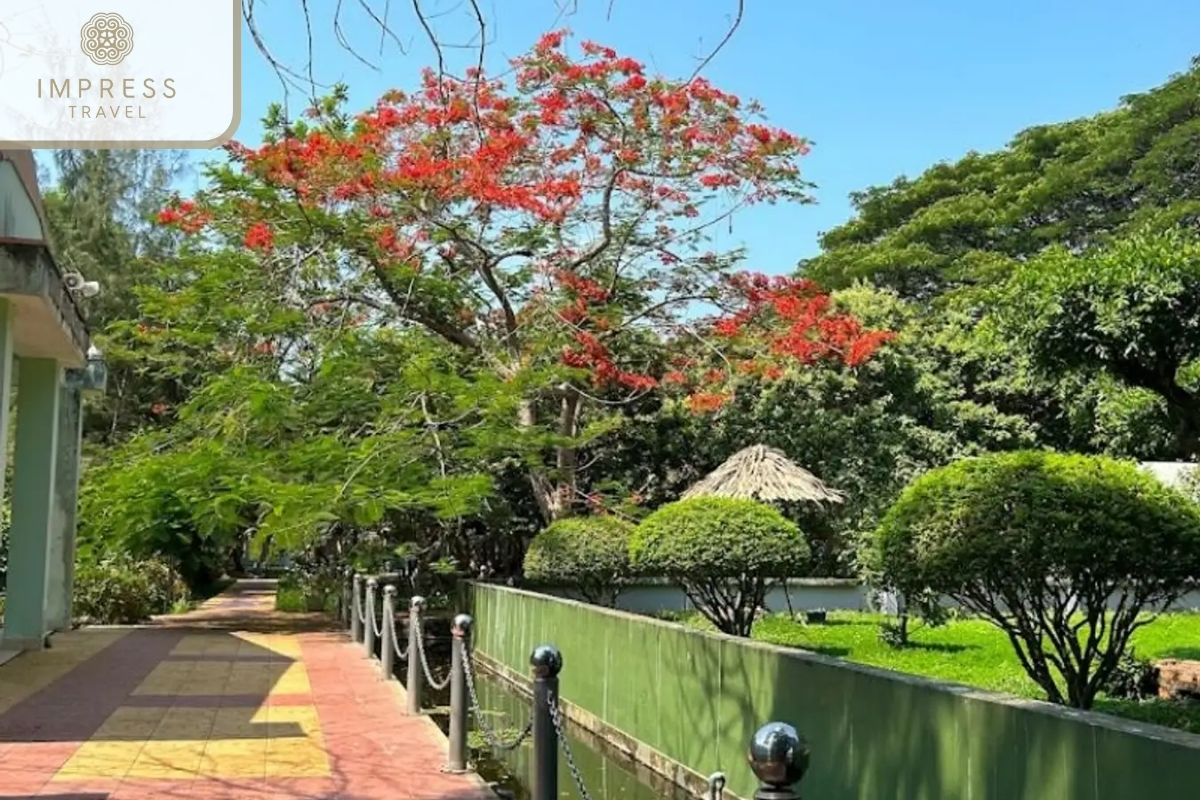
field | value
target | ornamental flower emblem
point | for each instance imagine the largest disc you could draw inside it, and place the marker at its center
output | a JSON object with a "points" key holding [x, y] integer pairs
{"points": [[106, 39]]}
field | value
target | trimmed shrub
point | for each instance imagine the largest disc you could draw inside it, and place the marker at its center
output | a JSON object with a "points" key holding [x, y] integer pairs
{"points": [[589, 554], [1064, 553], [124, 591], [722, 553]]}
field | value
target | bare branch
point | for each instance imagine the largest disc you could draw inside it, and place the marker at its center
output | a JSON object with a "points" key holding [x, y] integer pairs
{"points": [[737, 22]]}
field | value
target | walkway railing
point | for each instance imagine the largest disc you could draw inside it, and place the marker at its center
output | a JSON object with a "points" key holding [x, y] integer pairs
{"points": [[778, 755]]}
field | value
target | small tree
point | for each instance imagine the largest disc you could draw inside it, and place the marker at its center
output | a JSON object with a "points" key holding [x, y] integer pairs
{"points": [[722, 552], [1064, 553], [590, 554]]}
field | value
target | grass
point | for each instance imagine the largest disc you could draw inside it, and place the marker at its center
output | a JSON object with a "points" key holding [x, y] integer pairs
{"points": [[975, 653]]}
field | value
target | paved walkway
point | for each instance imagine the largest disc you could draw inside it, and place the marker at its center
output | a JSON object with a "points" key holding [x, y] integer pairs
{"points": [[227, 702]]}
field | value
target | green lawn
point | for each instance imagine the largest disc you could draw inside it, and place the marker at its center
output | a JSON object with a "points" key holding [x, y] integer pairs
{"points": [[975, 653]]}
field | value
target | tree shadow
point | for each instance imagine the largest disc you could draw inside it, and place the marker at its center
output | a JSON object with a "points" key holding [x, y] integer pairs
{"points": [[936, 647], [1182, 653], [828, 650], [170, 682]]}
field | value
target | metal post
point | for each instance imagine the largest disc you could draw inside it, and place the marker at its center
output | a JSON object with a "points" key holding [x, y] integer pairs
{"points": [[356, 608], [779, 757], [387, 652], [369, 625], [546, 663], [412, 683], [460, 630]]}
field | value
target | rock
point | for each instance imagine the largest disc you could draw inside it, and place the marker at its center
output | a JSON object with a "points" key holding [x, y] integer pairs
{"points": [[1178, 679]]}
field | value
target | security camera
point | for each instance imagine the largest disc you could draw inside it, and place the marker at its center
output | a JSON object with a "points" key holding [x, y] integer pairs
{"points": [[76, 284]]}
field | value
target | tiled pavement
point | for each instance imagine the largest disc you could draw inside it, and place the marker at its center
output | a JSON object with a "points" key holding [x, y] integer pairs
{"points": [[222, 703]]}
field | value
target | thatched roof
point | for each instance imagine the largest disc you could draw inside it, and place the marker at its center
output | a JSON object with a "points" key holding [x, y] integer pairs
{"points": [[764, 473]]}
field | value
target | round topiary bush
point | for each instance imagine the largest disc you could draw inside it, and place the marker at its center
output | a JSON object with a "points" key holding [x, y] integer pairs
{"points": [[722, 552], [1062, 552], [589, 554]]}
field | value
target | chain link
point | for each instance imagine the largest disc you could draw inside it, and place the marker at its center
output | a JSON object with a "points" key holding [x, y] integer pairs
{"points": [[376, 625], [436, 685], [390, 621], [361, 613], [716, 781], [485, 727], [560, 730]]}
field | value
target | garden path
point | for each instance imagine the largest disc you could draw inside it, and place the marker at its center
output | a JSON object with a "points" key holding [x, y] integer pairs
{"points": [[230, 701]]}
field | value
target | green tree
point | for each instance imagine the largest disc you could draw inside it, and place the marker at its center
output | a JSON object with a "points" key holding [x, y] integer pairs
{"points": [[1064, 553], [587, 554], [506, 222], [1130, 310], [1073, 184], [100, 206], [722, 552]]}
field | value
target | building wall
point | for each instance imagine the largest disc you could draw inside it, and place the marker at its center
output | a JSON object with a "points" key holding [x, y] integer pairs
{"points": [[805, 594]]}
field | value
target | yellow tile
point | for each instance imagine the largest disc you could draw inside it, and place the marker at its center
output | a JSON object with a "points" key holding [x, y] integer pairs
{"points": [[186, 724], [167, 678], [294, 680], [303, 716], [168, 760], [91, 771], [239, 724], [234, 759], [207, 644], [129, 724], [286, 646], [33, 671], [222, 749], [101, 760]]}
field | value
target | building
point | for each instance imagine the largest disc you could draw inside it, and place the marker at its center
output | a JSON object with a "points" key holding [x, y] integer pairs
{"points": [[47, 364]]}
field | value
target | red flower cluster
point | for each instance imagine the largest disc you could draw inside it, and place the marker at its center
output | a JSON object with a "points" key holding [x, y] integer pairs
{"points": [[576, 144], [795, 319], [185, 215]]}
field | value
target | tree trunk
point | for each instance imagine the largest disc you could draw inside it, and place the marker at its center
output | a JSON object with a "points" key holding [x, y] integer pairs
{"points": [[556, 498]]}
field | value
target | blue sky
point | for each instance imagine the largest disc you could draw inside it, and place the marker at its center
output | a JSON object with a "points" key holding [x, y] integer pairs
{"points": [[881, 88]]}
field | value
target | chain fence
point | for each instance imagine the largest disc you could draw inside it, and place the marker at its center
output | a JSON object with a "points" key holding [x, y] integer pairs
{"points": [[485, 727], [365, 613], [436, 685], [390, 621], [376, 624]]}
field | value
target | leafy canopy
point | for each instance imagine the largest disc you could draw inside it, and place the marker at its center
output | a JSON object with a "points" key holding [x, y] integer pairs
{"points": [[722, 552], [590, 554], [1062, 552]]}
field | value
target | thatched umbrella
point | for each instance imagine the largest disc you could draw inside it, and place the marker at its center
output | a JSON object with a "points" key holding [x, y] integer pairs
{"points": [[765, 474]]}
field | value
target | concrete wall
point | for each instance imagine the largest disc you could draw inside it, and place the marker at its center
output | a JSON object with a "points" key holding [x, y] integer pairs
{"points": [[830, 594], [697, 698]]}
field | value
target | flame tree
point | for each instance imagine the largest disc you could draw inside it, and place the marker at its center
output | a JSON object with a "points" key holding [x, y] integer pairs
{"points": [[547, 228]]}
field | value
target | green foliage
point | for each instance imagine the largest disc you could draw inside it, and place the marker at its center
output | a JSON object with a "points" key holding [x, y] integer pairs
{"points": [[590, 554], [722, 552], [1073, 183], [1039, 544], [1133, 678], [948, 237], [1130, 310], [120, 590], [5, 538]]}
